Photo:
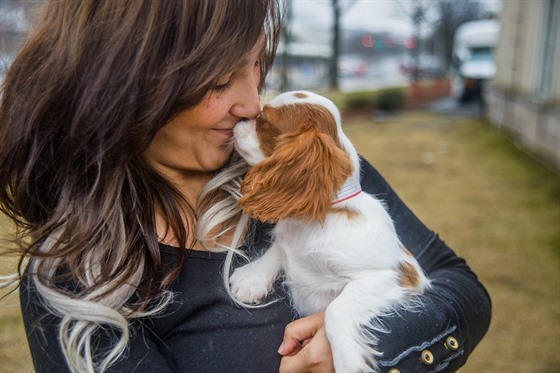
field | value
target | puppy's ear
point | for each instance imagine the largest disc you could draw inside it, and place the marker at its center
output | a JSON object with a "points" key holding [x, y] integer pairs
{"points": [[299, 180]]}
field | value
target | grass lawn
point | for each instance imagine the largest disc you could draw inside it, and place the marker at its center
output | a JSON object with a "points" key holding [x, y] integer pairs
{"points": [[495, 206], [14, 353]]}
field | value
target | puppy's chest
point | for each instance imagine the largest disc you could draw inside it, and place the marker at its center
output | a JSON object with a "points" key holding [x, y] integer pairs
{"points": [[307, 250], [298, 238]]}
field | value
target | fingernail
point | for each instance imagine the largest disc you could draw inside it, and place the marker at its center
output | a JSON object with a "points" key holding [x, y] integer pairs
{"points": [[281, 348]]}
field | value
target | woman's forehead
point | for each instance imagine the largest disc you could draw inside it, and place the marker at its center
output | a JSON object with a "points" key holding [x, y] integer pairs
{"points": [[251, 56]]}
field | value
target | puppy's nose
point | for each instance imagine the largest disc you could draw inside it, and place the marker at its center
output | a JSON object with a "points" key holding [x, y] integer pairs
{"points": [[241, 129]]}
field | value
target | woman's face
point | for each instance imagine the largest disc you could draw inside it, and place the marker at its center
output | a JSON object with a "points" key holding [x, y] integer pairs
{"points": [[200, 139]]}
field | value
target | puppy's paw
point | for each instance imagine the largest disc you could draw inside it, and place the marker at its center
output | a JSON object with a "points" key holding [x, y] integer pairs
{"points": [[353, 361], [352, 350], [249, 284]]}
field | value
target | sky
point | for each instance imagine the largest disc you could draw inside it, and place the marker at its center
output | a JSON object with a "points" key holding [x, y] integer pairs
{"points": [[313, 16], [371, 15]]}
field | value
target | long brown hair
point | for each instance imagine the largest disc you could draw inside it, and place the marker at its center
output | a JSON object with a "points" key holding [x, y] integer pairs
{"points": [[81, 102]]}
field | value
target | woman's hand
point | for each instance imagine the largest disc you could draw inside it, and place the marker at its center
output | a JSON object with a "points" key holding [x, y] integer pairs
{"points": [[305, 347]]}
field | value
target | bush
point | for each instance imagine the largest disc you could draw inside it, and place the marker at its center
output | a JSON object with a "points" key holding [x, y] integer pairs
{"points": [[360, 100], [390, 100], [385, 99]]}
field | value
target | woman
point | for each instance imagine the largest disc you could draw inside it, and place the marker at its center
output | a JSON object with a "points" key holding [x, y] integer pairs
{"points": [[117, 166]]}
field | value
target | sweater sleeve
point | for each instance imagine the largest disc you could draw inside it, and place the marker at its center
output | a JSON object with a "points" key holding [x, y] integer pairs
{"points": [[143, 354], [455, 312]]}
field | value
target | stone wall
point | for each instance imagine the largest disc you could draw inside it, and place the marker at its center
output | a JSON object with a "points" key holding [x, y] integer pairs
{"points": [[534, 125]]}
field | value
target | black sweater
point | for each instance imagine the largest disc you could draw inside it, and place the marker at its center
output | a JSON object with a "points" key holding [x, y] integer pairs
{"points": [[203, 331]]}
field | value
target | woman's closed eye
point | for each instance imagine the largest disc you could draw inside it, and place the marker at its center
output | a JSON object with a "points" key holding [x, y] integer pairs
{"points": [[225, 82]]}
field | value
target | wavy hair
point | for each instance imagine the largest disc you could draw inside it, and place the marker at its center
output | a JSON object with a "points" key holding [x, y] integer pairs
{"points": [[80, 103]]}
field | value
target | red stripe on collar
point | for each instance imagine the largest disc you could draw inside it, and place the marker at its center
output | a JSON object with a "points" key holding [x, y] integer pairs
{"points": [[349, 190]]}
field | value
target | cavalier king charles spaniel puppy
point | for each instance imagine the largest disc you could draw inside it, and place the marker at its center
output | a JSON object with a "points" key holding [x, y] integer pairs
{"points": [[335, 244]]}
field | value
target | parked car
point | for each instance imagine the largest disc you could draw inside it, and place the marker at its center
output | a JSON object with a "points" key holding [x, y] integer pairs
{"points": [[428, 67], [352, 66], [5, 61], [473, 58]]}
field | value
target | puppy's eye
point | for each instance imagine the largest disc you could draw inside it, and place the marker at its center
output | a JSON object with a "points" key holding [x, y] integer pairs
{"points": [[264, 123]]}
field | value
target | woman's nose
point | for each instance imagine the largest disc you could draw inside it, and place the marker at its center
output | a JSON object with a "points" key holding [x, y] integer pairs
{"points": [[248, 102]]}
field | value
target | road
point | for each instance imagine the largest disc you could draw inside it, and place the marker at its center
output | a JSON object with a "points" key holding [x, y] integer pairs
{"points": [[450, 105]]}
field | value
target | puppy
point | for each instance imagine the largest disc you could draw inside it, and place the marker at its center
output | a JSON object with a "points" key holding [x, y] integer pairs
{"points": [[336, 245]]}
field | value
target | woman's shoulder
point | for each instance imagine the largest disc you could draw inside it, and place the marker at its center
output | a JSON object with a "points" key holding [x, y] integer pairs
{"points": [[371, 180]]}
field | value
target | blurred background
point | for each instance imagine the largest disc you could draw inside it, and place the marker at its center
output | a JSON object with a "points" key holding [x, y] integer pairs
{"points": [[504, 55], [457, 103]]}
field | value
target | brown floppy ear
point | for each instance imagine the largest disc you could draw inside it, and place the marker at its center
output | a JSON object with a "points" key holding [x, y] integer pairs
{"points": [[299, 180]]}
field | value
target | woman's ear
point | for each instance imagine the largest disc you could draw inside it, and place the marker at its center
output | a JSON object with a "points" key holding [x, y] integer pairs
{"points": [[299, 180]]}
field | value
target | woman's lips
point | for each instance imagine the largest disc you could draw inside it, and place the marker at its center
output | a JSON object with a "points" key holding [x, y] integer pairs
{"points": [[224, 134], [226, 131]]}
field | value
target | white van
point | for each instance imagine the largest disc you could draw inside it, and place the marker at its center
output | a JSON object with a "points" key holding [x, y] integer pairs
{"points": [[473, 57]]}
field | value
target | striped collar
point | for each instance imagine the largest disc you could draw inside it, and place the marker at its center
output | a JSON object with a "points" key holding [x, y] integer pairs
{"points": [[350, 189]]}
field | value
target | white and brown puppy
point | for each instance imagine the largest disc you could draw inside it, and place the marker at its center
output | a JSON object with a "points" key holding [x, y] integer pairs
{"points": [[336, 245]]}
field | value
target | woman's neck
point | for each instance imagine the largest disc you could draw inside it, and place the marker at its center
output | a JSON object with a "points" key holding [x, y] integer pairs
{"points": [[189, 185]]}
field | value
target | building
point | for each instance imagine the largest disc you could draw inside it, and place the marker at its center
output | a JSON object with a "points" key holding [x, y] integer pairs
{"points": [[16, 17], [300, 66], [523, 99]]}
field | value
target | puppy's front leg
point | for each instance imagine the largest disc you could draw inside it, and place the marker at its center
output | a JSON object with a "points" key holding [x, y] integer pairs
{"points": [[251, 283], [353, 312]]}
